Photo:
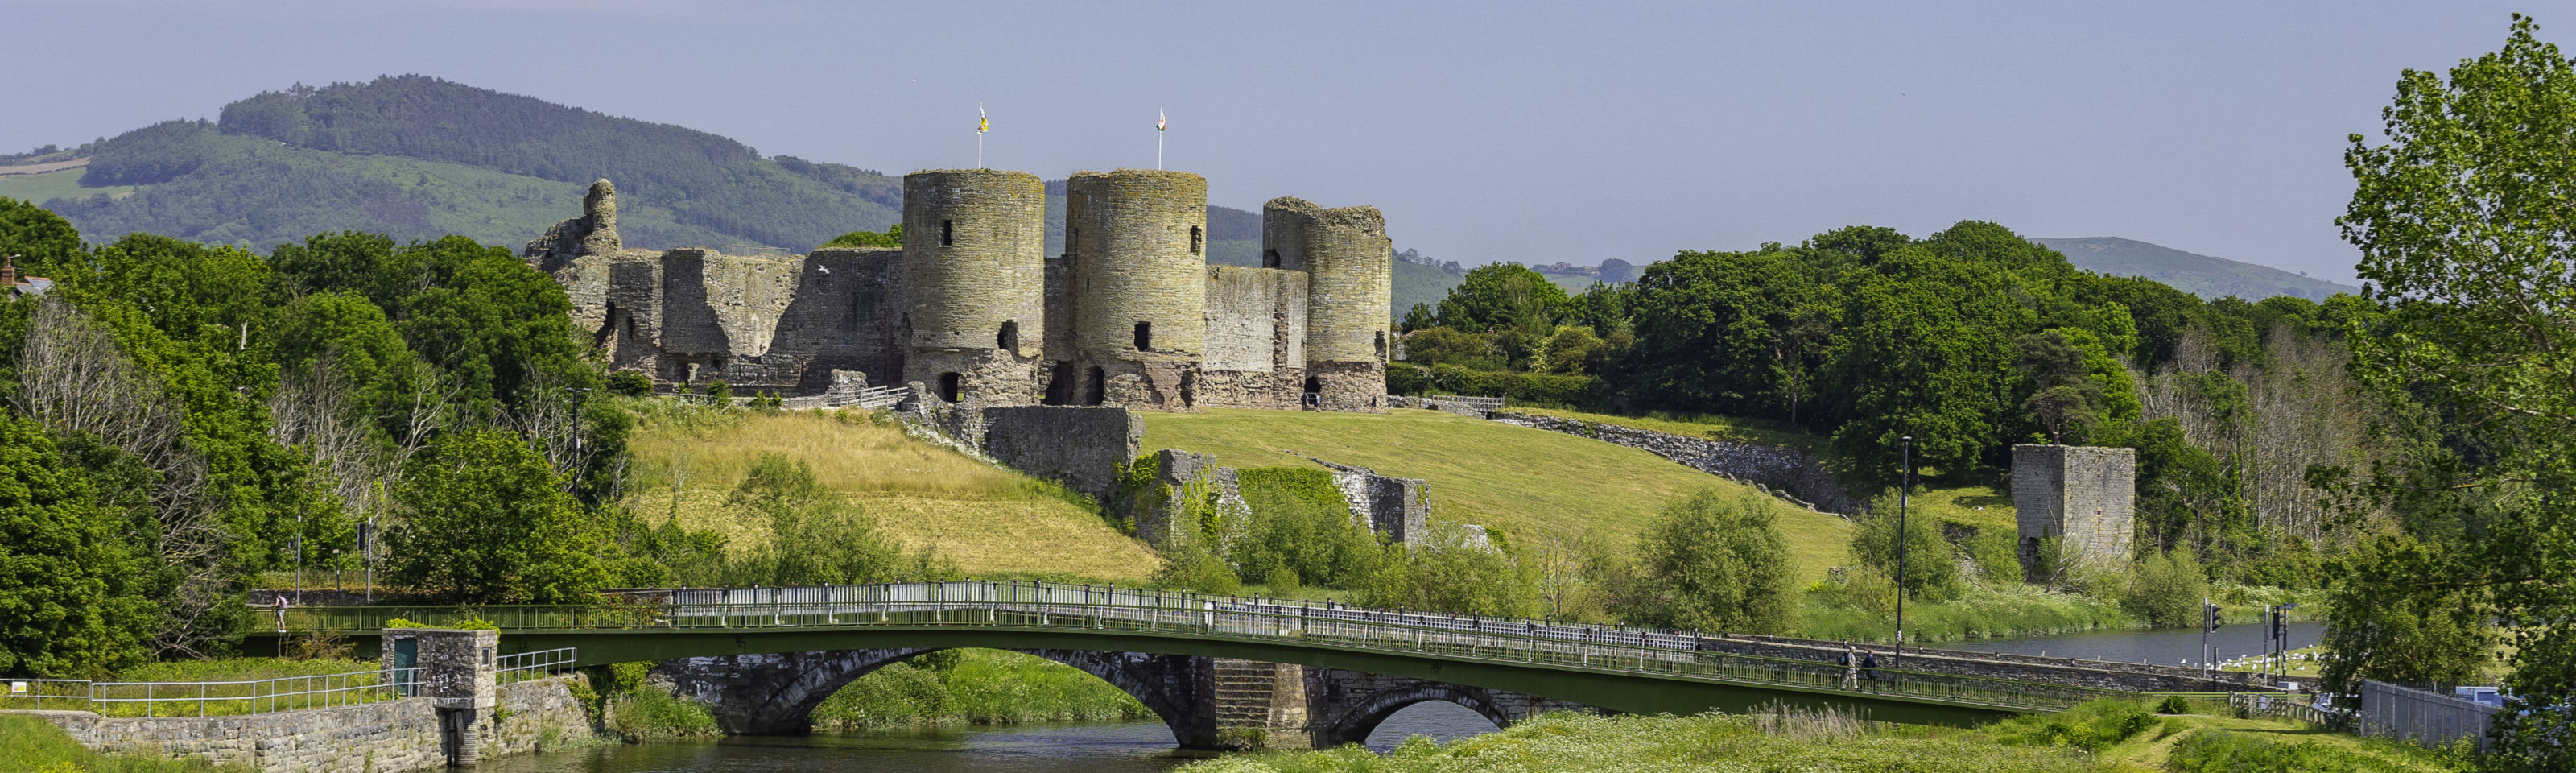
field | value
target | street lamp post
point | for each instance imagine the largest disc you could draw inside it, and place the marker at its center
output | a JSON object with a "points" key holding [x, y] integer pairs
{"points": [[1904, 491]]}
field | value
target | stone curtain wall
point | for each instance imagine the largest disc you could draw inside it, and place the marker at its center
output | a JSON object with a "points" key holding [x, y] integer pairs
{"points": [[1081, 448], [389, 736], [2085, 496], [1256, 338], [1397, 509], [1782, 472], [839, 320]]}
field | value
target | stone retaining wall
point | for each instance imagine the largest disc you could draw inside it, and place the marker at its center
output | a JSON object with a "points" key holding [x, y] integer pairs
{"points": [[1783, 472], [389, 736], [538, 715], [385, 737]]}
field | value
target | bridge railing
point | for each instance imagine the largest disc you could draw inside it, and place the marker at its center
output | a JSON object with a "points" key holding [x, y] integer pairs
{"points": [[540, 664], [1048, 606]]}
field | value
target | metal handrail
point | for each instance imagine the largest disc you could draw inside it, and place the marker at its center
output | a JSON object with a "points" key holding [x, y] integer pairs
{"points": [[1049, 606], [42, 694], [234, 698], [540, 664]]}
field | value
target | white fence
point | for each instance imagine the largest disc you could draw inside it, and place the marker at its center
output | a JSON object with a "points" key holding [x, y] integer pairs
{"points": [[2427, 718]]}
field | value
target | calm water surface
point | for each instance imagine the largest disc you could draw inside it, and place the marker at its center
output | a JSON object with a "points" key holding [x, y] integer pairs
{"points": [[1127, 747]]}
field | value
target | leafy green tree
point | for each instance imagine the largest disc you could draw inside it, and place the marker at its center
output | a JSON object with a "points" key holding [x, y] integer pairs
{"points": [[1572, 350], [489, 523], [1743, 333], [2079, 394], [1931, 567], [71, 598], [1448, 345], [2393, 618], [1300, 532], [1454, 571], [893, 238], [1926, 351], [2462, 218], [816, 537], [1420, 317], [1503, 296], [1715, 562]]}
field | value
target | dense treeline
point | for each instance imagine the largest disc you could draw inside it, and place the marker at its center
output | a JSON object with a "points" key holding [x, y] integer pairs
{"points": [[419, 157], [1969, 341], [184, 420]]}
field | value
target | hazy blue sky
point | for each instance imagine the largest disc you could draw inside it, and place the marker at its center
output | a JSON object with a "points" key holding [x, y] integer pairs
{"points": [[1486, 131]]}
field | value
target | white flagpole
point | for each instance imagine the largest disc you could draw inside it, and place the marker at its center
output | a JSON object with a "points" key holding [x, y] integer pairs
{"points": [[1158, 140]]}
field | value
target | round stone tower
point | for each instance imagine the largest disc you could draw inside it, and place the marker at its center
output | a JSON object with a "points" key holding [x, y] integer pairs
{"points": [[1138, 244], [971, 308], [1349, 266]]}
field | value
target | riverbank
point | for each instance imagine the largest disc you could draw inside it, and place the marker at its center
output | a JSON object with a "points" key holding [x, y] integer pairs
{"points": [[975, 687], [2102, 737]]}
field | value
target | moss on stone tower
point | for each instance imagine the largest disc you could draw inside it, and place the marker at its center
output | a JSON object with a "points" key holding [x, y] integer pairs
{"points": [[971, 316], [1347, 259], [1138, 246]]}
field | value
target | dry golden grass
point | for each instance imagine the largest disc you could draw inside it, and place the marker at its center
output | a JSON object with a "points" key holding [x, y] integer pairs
{"points": [[986, 519]]}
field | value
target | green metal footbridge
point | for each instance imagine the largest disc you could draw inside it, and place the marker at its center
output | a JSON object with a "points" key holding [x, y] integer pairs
{"points": [[1607, 667]]}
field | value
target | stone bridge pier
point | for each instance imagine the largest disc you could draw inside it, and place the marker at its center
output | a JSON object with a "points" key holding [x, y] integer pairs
{"points": [[1208, 703]]}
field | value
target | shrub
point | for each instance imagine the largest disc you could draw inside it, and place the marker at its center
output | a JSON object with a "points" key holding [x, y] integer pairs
{"points": [[2166, 588], [1454, 572], [1998, 555], [1300, 532], [1404, 378], [1931, 569], [652, 714], [1716, 562], [2174, 704], [629, 383], [720, 391]]}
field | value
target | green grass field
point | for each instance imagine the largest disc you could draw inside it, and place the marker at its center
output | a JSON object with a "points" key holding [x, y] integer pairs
{"points": [[1530, 483], [65, 184]]}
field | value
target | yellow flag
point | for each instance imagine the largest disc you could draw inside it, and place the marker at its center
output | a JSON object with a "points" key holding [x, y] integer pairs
{"points": [[982, 123]]}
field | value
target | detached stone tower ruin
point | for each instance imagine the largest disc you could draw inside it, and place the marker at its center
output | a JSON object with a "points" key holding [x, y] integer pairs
{"points": [[2084, 496], [974, 291], [973, 309], [1348, 262]]}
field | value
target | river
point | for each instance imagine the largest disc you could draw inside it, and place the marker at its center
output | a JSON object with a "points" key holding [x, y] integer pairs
{"points": [[1125, 747], [1142, 747]]}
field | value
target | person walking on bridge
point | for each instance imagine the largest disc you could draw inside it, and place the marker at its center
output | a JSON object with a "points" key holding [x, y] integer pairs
{"points": [[1869, 668], [280, 606], [1851, 667]]}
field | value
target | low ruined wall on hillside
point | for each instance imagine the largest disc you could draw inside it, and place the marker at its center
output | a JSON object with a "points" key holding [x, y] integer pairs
{"points": [[1784, 472]]}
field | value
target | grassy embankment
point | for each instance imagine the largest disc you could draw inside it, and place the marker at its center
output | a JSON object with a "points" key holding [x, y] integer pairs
{"points": [[35, 745], [2106, 737], [1536, 486], [988, 520], [978, 687], [1965, 505]]}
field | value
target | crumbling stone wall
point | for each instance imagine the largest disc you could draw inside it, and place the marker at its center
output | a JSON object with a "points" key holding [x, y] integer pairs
{"points": [[972, 294], [1398, 510], [1079, 447], [2084, 496], [1256, 338], [1783, 472]]}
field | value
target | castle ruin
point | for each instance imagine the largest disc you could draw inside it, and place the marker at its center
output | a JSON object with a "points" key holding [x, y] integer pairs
{"points": [[972, 307], [2085, 497]]}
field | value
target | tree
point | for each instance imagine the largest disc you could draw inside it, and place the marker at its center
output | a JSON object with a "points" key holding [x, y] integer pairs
{"points": [[1439, 345], [1931, 568], [816, 537], [71, 605], [1502, 296], [1455, 571], [2462, 218], [2166, 589], [1715, 562], [489, 523], [1926, 351]]}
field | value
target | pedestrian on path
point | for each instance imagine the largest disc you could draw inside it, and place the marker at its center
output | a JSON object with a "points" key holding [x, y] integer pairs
{"points": [[1869, 667], [1851, 667], [280, 606]]}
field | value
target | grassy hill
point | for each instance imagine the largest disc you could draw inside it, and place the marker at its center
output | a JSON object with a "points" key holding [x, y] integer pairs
{"points": [[1534, 485], [418, 157], [987, 519], [2200, 275]]}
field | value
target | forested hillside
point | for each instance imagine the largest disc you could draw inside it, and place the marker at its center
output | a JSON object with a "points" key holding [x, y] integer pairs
{"points": [[417, 157]]}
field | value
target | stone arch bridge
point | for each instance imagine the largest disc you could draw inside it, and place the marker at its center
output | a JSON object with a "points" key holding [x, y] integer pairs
{"points": [[1221, 672]]}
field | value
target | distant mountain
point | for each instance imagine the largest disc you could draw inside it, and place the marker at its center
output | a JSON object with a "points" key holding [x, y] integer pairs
{"points": [[2200, 275]]}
